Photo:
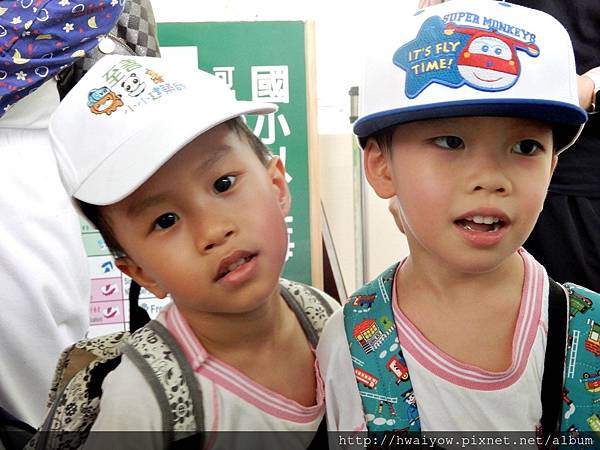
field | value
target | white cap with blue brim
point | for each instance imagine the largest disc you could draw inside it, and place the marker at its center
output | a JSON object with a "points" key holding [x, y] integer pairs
{"points": [[472, 58]]}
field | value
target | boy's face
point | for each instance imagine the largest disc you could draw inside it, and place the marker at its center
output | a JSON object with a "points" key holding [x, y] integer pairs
{"points": [[470, 189], [208, 227]]}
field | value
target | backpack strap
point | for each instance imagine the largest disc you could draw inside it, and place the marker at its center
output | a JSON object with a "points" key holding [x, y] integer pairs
{"points": [[80, 355], [76, 390], [380, 369], [160, 360], [310, 306], [554, 360], [580, 409]]}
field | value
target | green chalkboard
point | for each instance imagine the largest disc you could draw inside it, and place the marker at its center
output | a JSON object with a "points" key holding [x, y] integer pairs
{"points": [[263, 61]]}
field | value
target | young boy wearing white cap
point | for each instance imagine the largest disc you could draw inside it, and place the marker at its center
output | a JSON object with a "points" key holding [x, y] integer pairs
{"points": [[192, 204], [462, 125]]}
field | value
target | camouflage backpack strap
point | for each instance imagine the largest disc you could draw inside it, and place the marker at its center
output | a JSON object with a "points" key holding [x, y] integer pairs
{"points": [[381, 374], [310, 306], [581, 410], [158, 357], [76, 389]]}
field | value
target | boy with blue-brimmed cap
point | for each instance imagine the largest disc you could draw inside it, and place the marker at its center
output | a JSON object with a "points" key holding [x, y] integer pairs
{"points": [[462, 124]]}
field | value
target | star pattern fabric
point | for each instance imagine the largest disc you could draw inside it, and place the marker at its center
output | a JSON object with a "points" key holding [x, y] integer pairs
{"points": [[38, 38]]}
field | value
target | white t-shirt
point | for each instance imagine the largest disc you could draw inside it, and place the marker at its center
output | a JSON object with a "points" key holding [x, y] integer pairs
{"points": [[43, 266], [451, 396], [231, 400]]}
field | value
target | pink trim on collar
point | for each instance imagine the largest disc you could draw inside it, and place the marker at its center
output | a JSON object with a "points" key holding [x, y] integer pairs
{"points": [[235, 381], [472, 377]]}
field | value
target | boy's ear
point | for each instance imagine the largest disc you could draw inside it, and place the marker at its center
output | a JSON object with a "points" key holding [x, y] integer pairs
{"points": [[554, 162], [129, 267], [276, 172], [377, 170]]}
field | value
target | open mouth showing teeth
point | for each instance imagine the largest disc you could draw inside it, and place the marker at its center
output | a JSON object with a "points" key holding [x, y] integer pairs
{"points": [[481, 223], [234, 265]]}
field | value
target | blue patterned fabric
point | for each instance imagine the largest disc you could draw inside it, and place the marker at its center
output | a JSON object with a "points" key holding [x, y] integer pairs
{"points": [[382, 376], [38, 38], [383, 381], [581, 409]]}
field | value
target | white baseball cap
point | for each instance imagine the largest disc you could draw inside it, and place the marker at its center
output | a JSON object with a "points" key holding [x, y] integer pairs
{"points": [[128, 115], [472, 58]]}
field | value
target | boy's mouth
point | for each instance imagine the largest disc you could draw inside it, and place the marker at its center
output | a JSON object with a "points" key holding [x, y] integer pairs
{"points": [[481, 223], [233, 262]]}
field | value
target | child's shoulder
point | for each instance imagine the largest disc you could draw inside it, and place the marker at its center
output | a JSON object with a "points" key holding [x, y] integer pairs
{"points": [[128, 401], [367, 302], [584, 304], [312, 306], [376, 293], [307, 294]]}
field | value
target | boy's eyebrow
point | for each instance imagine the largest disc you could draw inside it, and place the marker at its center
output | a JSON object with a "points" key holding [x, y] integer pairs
{"points": [[137, 208], [215, 155]]}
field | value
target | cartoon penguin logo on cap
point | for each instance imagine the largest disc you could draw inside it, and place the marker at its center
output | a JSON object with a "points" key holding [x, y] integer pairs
{"points": [[489, 60]]}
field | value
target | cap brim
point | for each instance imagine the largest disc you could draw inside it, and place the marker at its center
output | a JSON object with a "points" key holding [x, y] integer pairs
{"points": [[140, 156], [566, 118]]}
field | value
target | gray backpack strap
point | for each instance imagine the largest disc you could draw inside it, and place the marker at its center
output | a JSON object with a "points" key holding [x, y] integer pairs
{"points": [[310, 306], [160, 360]]}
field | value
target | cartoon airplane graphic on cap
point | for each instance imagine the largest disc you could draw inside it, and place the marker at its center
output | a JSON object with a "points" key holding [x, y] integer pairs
{"points": [[489, 59]]}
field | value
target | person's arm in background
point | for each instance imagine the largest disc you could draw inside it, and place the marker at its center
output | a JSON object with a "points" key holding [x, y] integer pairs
{"points": [[588, 86], [39, 38]]}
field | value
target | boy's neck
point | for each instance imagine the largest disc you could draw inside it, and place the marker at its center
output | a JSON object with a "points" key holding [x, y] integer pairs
{"points": [[221, 333], [450, 286], [469, 305]]}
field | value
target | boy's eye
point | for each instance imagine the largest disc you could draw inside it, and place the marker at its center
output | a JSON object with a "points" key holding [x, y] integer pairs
{"points": [[527, 147], [224, 183], [449, 142], [166, 221]]}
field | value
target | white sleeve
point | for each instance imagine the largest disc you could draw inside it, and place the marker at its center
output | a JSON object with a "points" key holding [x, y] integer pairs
{"points": [[332, 302], [127, 404], [342, 400]]}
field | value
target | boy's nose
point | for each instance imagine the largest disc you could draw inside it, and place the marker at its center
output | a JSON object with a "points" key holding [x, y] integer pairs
{"points": [[212, 236], [491, 187], [488, 174]]}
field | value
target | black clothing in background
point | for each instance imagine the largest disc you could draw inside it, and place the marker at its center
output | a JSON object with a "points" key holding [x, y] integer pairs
{"points": [[566, 239], [578, 170]]}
